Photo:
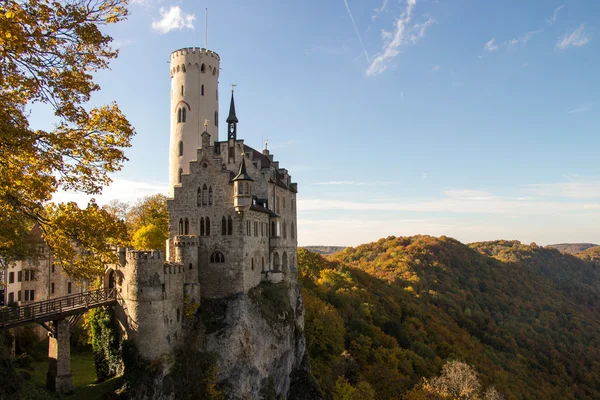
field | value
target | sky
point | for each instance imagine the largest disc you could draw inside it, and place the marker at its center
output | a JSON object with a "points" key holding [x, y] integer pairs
{"points": [[478, 120]]}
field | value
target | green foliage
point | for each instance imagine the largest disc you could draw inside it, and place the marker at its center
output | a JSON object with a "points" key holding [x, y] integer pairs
{"points": [[273, 301], [139, 374], [525, 317], [212, 313], [303, 386], [193, 376], [104, 336]]}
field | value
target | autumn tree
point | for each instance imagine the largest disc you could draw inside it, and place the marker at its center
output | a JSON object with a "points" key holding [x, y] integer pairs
{"points": [[49, 51]]}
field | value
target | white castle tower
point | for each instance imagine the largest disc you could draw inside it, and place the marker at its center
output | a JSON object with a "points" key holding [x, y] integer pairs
{"points": [[194, 102]]}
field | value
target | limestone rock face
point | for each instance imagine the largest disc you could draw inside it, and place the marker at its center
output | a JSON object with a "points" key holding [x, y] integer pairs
{"points": [[257, 339]]}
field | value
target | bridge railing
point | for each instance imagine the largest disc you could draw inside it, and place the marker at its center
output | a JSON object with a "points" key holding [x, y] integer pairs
{"points": [[41, 310]]}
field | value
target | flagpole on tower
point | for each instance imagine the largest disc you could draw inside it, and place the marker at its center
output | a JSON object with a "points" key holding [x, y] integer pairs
{"points": [[206, 28]]}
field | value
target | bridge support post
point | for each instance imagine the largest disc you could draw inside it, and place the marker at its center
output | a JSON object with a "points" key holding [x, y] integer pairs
{"points": [[59, 378]]}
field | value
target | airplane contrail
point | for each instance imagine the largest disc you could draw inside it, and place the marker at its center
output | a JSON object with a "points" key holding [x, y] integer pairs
{"points": [[357, 33]]}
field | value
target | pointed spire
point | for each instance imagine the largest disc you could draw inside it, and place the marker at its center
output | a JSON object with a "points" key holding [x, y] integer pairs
{"points": [[243, 174], [232, 117]]}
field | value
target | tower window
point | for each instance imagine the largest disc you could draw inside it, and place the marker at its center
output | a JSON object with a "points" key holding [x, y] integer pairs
{"points": [[217, 257], [252, 264], [207, 226], [223, 226], [182, 90], [199, 197], [204, 195], [179, 175], [229, 226], [215, 71], [178, 115], [216, 118], [186, 227], [183, 68], [180, 231], [180, 148], [203, 68], [247, 188], [183, 111], [210, 196], [202, 226], [202, 90]]}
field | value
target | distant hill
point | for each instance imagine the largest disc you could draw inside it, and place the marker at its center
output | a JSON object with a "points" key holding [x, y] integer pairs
{"points": [[383, 315], [571, 248], [324, 249]]}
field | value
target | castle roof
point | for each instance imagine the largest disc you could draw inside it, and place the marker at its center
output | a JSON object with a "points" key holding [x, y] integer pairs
{"points": [[243, 174], [232, 118]]}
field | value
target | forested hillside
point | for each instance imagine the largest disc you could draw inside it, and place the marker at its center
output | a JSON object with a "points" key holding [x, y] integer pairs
{"points": [[382, 316], [572, 248]]}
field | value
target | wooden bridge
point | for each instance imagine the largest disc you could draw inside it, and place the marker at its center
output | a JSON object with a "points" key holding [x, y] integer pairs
{"points": [[56, 309]]}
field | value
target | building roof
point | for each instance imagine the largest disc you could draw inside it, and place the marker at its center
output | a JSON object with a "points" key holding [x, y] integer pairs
{"points": [[257, 155], [232, 118], [243, 174]]}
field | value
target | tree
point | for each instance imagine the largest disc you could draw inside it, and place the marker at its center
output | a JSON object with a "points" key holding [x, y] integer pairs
{"points": [[149, 237], [48, 53]]}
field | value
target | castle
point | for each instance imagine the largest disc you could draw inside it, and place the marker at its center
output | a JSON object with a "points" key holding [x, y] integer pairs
{"points": [[232, 216]]}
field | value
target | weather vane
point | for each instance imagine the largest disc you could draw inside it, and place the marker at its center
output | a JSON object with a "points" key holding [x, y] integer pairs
{"points": [[205, 123], [267, 144], [233, 85]]}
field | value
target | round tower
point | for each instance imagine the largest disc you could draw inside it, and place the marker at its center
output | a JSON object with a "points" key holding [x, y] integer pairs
{"points": [[194, 100]]}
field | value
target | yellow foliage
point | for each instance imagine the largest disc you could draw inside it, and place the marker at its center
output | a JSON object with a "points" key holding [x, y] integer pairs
{"points": [[48, 52]]}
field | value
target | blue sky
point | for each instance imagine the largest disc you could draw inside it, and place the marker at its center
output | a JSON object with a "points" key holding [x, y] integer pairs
{"points": [[472, 119]]}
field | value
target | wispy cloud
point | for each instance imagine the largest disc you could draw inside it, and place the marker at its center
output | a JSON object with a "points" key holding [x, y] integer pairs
{"points": [[172, 19], [119, 189], [575, 38], [404, 34], [379, 10], [552, 19], [581, 108], [491, 45], [573, 190], [357, 183], [357, 32], [511, 44]]}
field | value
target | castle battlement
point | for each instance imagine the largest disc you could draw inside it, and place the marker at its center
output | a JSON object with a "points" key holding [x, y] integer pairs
{"points": [[186, 240], [194, 50], [131, 254]]}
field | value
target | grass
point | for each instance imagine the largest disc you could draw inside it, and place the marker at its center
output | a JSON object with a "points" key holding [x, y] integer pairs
{"points": [[84, 377]]}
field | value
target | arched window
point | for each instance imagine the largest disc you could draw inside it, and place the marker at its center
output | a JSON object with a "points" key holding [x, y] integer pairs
{"points": [[180, 231], [191, 266], [202, 226], [179, 175], [252, 267], [217, 257], [204, 195], [199, 197], [293, 232], [273, 229], [202, 90], [178, 68], [216, 118], [182, 90], [229, 226], [284, 261], [183, 68], [203, 68], [263, 264], [183, 111], [223, 226], [180, 148], [207, 226], [276, 262], [210, 197], [215, 71], [186, 227], [179, 115], [247, 188]]}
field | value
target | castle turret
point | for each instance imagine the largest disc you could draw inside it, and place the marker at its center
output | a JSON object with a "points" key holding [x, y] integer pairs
{"points": [[242, 188], [194, 101]]}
